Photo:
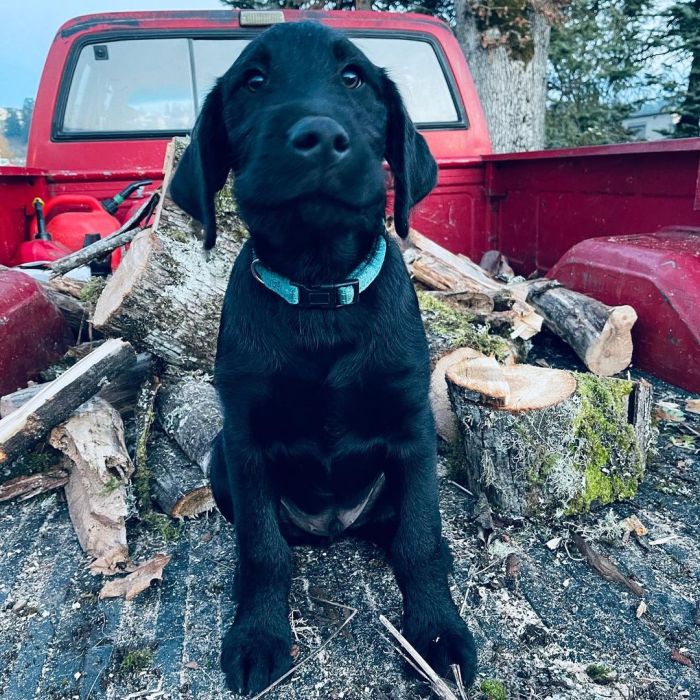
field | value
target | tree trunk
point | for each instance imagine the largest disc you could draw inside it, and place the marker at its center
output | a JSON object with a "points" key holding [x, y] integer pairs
{"points": [[542, 442], [511, 82]]}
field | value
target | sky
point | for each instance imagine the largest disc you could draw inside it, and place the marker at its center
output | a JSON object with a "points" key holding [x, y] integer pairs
{"points": [[28, 27]]}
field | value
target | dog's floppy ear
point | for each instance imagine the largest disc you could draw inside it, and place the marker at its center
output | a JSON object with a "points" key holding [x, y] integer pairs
{"points": [[414, 168], [204, 166]]}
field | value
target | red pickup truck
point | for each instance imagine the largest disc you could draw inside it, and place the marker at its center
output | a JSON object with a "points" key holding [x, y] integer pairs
{"points": [[615, 222]]}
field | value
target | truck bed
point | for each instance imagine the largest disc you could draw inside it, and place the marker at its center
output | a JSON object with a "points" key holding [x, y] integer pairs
{"points": [[57, 640]]}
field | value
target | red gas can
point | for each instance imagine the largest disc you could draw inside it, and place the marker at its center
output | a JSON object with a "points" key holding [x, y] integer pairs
{"points": [[69, 217]]}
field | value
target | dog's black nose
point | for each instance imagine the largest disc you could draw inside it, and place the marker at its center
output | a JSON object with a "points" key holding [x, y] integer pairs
{"points": [[319, 139]]}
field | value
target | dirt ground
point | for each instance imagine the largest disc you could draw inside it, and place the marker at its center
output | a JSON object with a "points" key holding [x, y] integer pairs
{"points": [[557, 631]]}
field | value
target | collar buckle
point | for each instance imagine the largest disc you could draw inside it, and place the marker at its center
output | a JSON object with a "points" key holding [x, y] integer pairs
{"points": [[327, 296]]}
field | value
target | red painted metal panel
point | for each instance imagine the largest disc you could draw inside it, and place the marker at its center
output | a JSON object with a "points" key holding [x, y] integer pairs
{"points": [[33, 332], [18, 187], [659, 275], [544, 203]]}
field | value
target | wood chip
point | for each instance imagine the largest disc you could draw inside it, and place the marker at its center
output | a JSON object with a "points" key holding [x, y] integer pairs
{"points": [[663, 540], [635, 525], [553, 544], [681, 658], [192, 664], [692, 405], [641, 609], [603, 566], [128, 587]]}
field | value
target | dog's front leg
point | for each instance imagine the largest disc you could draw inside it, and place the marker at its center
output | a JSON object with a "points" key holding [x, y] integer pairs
{"points": [[421, 562], [256, 649]]}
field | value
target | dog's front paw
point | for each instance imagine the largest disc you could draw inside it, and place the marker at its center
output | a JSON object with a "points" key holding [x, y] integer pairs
{"points": [[253, 657], [444, 644]]}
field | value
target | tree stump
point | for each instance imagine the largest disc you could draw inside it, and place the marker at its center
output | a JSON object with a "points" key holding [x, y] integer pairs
{"points": [[542, 442]]}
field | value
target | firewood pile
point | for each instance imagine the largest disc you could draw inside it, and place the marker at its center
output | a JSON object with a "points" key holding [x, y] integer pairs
{"points": [[536, 441]]}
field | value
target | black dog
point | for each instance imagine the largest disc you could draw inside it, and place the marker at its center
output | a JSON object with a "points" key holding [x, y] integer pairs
{"points": [[327, 423]]}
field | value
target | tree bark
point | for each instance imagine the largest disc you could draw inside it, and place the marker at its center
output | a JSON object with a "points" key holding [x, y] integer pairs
{"points": [[600, 335], [543, 442], [166, 296], [120, 392], [57, 400], [511, 85], [93, 441], [177, 484], [189, 412]]}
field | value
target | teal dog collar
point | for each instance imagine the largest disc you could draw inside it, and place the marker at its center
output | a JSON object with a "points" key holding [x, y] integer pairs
{"points": [[324, 296]]}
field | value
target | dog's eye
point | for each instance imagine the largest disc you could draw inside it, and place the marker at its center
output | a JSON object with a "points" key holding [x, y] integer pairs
{"points": [[351, 78], [255, 81]]}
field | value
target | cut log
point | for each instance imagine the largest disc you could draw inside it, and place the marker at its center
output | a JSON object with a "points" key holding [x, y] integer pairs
{"points": [[540, 441], [600, 335], [446, 424], [99, 466], [166, 296], [58, 399], [120, 392], [30, 485], [190, 413], [177, 484], [123, 235]]}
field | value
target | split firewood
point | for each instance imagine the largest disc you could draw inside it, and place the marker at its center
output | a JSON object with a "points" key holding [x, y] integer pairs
{"points": [[177, 484], [120, 392], [190, 413], [123, 235], [166, 296], [541, 442], [57, 400], [442, 270], [99, 468], [30, 485], [600, 335], [603, 566]]}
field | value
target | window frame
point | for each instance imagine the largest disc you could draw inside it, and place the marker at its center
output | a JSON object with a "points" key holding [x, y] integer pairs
{"points": [[59, 135]]}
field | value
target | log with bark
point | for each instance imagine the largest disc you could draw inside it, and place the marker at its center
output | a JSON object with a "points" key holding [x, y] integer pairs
{"points": [[189, 412], [23, 428], [543, 441], [120, 392], [99, 469], [600, 335], [177, 484], [166, 295], [123, 235]]}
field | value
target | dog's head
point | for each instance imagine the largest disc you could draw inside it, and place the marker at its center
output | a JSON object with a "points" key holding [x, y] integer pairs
{"points": [[304, 120]]}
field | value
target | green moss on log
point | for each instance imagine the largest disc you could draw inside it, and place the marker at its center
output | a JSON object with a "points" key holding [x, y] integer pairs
{"points": [[494, 690], [449, 328]]}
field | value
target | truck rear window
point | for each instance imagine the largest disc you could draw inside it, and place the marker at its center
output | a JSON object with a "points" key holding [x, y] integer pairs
{"points": [[158, 85]]}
